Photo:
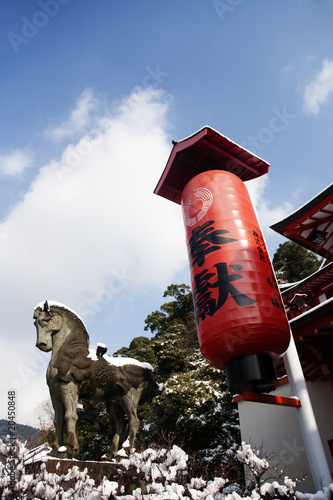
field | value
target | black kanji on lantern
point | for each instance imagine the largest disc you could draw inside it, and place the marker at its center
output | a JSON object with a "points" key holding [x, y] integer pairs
{"points": [[206, 239], [261, 247], [205, 303]]}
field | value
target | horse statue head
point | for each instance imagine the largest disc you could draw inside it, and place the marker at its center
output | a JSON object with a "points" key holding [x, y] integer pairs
{"points": [[52, 318]]}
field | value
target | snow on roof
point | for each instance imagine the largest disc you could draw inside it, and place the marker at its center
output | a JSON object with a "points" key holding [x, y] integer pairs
{"points": [[119, 361], [298, 295]]}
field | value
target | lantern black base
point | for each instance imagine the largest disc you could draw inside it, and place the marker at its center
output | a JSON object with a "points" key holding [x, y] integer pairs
{"points": [[254, 373]]}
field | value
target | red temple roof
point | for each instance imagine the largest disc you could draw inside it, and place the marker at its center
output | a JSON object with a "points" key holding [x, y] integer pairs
{"points": [[313, 333], [205, 150], [311, 283], [312, 225], [312, 328]]}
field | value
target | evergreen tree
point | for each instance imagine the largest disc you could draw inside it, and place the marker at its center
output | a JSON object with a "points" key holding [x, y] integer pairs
{"points": [[195, 409], [94, 430], [292, 262], [140, 349], [174, 311]]}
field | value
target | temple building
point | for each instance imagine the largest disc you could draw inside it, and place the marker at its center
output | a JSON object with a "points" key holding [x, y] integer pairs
{"points": [[309, 306], [199, 165]]}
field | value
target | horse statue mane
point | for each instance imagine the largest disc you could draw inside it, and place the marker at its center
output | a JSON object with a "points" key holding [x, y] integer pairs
{"points": [[54, 306], [75, 373]]}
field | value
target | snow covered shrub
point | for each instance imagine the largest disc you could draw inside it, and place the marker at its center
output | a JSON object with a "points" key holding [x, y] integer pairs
{"points": [[150, 475], [15, 482], [256, 486], [165, 474], [153, 474], [326, 494], [11, 467], [258, 466]]}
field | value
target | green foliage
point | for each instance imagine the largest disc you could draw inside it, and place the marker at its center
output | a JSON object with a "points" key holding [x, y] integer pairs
{"points": [[171, 350], [140, 349], [292, 262], [94, 430], [178, 309], [195, 408]]}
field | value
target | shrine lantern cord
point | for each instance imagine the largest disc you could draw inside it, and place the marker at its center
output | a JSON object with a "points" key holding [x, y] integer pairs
{"points": [[240, 318]]}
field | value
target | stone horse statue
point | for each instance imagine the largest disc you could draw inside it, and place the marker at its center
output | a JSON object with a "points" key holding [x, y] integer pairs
{"points": [[75, 372]]}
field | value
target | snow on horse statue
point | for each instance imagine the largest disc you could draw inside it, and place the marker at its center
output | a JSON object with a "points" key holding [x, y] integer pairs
{"points": [[75, 372]]}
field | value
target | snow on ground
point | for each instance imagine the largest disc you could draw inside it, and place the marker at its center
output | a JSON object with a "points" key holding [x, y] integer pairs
{"points": [[160, 474]]}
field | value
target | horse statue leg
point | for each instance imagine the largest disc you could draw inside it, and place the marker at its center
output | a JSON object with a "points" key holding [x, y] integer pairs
{"points": [[69, 395], [59, 413], [130, 403], [119, 427]]}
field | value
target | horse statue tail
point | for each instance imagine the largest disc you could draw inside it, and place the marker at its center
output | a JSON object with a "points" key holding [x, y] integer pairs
{"points": [[154, 388]]}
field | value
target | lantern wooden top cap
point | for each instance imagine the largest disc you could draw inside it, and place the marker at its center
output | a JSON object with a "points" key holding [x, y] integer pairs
{"points": [[205, 150]]}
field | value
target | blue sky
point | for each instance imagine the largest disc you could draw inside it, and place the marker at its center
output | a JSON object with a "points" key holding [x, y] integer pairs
{"points": [[91, 95]]}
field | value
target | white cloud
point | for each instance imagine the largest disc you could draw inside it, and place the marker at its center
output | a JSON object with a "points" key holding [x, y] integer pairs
{"points": [[318, 91], [79, 119], [90, 229], [15, 163], [267, 215]]}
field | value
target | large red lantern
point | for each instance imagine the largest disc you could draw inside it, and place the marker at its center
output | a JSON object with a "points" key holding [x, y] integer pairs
{"points": [[240, 318]]}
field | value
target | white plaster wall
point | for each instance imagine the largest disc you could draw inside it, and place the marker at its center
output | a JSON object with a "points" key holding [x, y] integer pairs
{"points": [[276, 428], [321, 395]]}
